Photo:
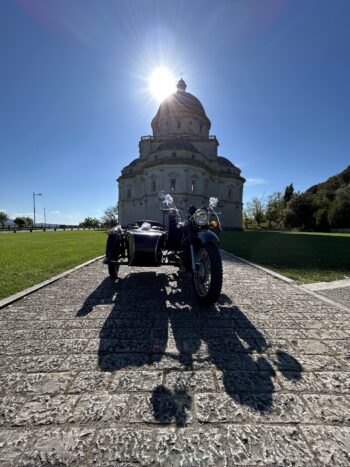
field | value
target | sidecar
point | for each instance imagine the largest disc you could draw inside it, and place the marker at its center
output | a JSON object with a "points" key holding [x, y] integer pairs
{"points": [[141, 243]]}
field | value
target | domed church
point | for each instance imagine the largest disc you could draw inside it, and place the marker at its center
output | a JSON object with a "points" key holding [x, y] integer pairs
{"points": [[181, 159]]}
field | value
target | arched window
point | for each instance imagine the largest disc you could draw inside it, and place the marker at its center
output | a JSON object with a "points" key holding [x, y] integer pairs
{"points": [[230, 193], [173, 184], [179, 123], [128, 193], [193, 157], [174, 155], [193, 185], [153, 185]]}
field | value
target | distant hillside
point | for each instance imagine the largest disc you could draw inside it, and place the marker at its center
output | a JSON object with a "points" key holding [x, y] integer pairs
{"points": [[328, 203], [329, 187]]}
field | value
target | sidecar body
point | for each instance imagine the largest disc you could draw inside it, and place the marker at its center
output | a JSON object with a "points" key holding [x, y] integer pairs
{"points": [[139, 244]]}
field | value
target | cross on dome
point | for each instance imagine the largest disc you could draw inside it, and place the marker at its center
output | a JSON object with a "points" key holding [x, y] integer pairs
{"points": [[181, 85]]}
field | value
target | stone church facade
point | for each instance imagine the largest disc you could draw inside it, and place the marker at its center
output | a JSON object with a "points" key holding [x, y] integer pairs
{"points": [[180, 158]]}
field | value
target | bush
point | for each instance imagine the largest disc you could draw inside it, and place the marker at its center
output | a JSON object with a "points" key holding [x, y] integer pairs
{"points": [[339, 214]]}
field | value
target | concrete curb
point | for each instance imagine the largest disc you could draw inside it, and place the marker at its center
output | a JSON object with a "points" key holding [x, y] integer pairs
{"points": [[13, 298], [257, 266], [327, 285]]}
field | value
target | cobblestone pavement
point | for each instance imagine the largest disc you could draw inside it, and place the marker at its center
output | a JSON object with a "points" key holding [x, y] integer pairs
{"points": [[135, 372]]}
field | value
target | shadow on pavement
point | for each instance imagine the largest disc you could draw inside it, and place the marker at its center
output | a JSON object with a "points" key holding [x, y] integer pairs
{"points": [[136, 334]]}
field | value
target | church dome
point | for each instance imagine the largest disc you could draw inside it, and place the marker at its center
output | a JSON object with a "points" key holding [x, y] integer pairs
{"points": [[181, 113]]}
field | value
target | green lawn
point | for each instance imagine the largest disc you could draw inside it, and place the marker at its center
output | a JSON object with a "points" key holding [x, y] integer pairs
{"points": [[29, 258], [304, 257]]}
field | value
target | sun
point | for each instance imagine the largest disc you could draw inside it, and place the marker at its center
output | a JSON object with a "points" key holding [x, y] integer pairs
{"points": [[162, 83]]}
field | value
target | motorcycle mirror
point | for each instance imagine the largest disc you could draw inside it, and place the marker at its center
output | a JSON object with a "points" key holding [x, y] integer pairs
{"points": [[162, 195]]}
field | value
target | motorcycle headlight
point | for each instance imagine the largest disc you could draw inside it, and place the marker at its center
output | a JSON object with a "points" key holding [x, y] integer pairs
{"points": [[201, 217]]}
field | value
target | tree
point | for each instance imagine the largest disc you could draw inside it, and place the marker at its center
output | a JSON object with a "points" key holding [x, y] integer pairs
{"points": [[300, 210], [110, 216], [3, 218], [275, 209], [288, 193], [20, 221], [339, 214], [29, 221], [90, 222], [255, 210]]}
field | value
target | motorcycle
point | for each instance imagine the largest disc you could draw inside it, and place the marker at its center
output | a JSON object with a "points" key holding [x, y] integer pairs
{"points": [[192, 245]]}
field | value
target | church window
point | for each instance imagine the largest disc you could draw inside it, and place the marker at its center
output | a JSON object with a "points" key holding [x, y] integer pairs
{"points": [[193, 185], [153, 185], [128, 193], [193, 156], [179, 124], [173, 184], [230, 193], [155, 157], [174, 154], [200, 128]]}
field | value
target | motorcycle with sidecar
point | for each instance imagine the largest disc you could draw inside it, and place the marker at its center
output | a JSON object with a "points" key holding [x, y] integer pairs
{"points": [[192, 245]]}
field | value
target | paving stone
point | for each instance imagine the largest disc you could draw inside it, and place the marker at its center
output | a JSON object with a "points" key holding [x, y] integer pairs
{"points": [[45, 410], [311, 346], [116, 445], [162, 406], [59, 446], [212, 407], [192, 447], [237, 382], [329, 443], [78, 362], [97, 408], [325, 381], [329, 408], [130, 381], [191, 381], [283, 408], [42, 383], [7, 382], [325, 334], [12, 445], [9, 406], [35, 364], [267, 445], [93, 381]]}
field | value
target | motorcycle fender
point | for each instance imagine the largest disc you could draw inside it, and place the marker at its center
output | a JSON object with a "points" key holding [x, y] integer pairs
{"points": [[208, 236]]}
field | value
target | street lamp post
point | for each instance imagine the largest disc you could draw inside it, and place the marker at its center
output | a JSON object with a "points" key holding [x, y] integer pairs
{"points": [[34, 195], [45, 217]]}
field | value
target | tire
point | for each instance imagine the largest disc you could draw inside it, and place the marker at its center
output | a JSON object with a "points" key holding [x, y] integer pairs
{"points": [[208, 280], [113, 268]]}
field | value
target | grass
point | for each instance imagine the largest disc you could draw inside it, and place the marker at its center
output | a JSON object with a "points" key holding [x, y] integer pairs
{"points": [[29, 258], [303, 257]]}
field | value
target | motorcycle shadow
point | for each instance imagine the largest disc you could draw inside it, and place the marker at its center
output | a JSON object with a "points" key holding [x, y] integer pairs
{"points": [[156, 322]]}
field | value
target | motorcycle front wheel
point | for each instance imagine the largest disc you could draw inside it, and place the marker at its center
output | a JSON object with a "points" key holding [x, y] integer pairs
{"points": [[113, 268], [208, 277]]}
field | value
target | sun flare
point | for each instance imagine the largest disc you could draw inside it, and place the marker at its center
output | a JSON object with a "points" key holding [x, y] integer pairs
{"points": [[162, 83]]}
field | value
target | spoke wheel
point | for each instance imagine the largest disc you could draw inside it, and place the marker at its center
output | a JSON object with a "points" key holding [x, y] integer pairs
{"points": [[113, 268], [208, 277]]}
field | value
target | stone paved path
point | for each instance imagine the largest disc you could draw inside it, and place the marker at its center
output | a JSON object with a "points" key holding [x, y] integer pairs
{"points": [[135, 372]]}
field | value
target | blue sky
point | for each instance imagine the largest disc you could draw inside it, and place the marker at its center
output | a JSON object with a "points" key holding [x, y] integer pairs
{"points": [[273, 76]]}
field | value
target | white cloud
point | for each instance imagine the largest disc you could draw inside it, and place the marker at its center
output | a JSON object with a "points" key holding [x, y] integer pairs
{"points": [[55, 213], [3, 210], [255, 181]]}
